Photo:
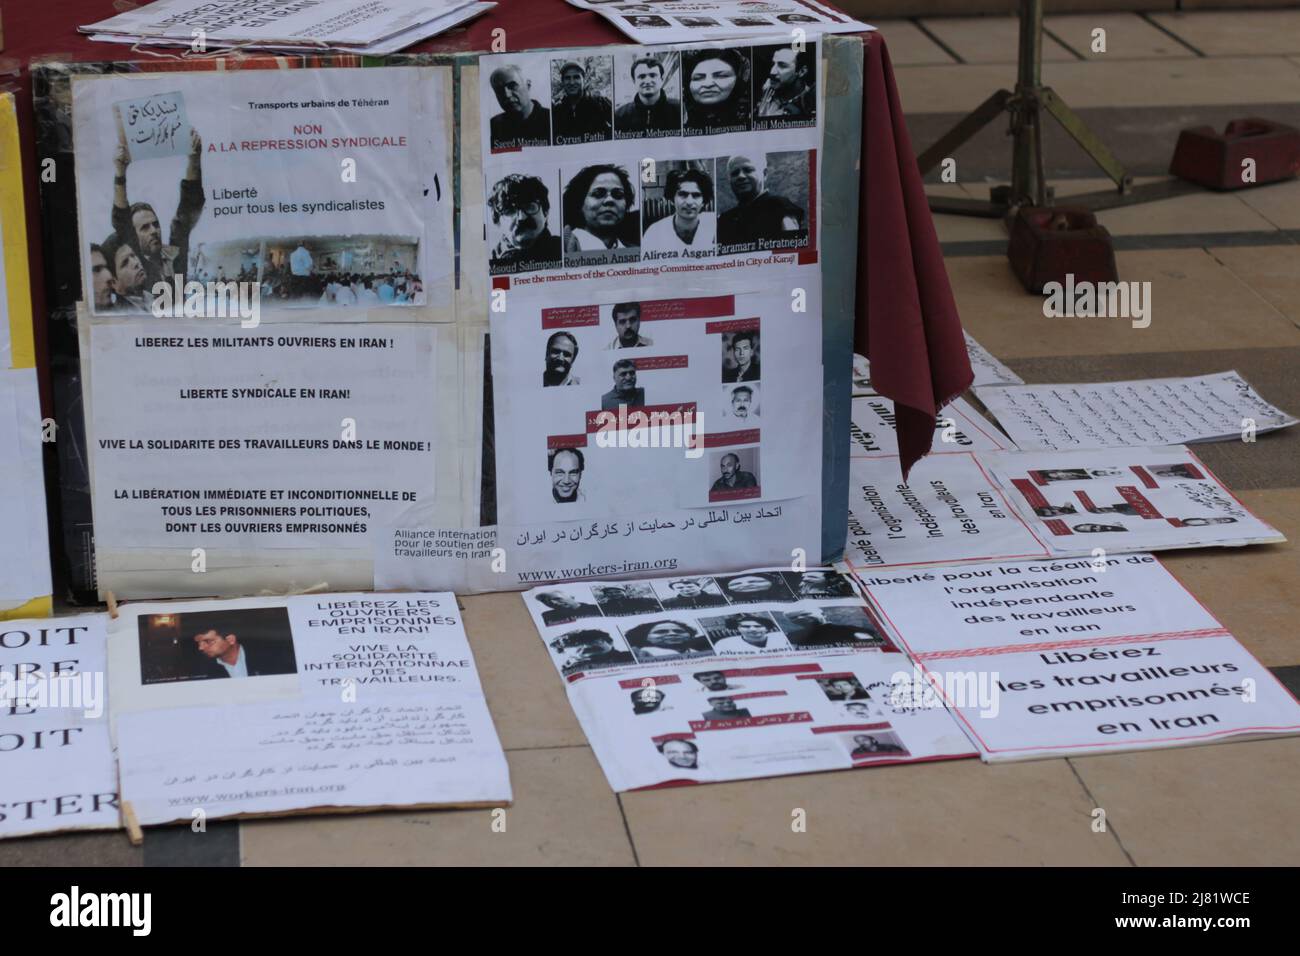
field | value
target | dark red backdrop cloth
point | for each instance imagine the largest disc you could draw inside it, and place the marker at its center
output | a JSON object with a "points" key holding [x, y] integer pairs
{"points": [[907, 322]]}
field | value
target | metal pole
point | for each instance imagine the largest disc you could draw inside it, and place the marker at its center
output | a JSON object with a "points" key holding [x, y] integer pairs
{"points": [[1027, 184]]}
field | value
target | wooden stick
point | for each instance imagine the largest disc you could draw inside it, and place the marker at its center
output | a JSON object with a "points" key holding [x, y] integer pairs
{"points": [[133, 831]]}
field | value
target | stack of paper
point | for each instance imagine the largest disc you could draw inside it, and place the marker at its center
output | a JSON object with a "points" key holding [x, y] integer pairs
{"points": [[372, 27]]}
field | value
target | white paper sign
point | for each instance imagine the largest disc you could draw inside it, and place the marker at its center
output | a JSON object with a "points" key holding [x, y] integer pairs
{"points": [[1133, 499], [727, 677], [155, 125], [636, 407], [274, 705], [958, 428], [1158, 411], [948, 510], [56, 763], [297, 436], [1081, 656]]}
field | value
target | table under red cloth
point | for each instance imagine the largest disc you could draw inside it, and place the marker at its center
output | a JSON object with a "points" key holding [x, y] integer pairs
{"points": [[906, 320]]}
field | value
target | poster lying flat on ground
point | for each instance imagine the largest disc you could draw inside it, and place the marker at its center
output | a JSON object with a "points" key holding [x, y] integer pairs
{"points": [[959, 427], [701, 679], [1155, 411], [277, 705], [1131, 499], [948, 510], [56, 763], [988, 369], [1071, 657]]}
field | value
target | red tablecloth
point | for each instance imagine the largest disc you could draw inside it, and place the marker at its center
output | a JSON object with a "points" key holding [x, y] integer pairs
{"points": [[907, 322]]}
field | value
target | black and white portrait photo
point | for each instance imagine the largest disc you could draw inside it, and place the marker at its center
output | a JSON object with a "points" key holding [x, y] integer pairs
{"points": [[717, 97], [602, 223], [734, 474], [565, 467], [667, 640], [647, 94], [740, 359], [762, 202], [523, 120], [740, 405], [785, 93], [522, 236], [561, 353], [679, 209], [582, 110], [625, 392]]}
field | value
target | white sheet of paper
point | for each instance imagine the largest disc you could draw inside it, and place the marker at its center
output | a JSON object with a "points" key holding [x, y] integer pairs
{"points": [[690, 407], [949, 510], [958, 428], [392, 44], [348, 700], [1145, 412], [25, 557], [56, 763], [326, 21], [730, 677], [988, 369], [1053, 658], [193, 449], [679, 21], [1131, 499], [155, 125]]}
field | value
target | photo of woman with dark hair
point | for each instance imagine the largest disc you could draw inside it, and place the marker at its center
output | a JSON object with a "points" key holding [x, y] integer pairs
{"points": [[664, 639], [600, 218], [717, 91]]}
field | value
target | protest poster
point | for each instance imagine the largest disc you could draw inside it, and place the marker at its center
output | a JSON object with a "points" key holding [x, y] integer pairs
{"points": [[1131, 499], [1145, 412], [958, 428], [362, 224], [1075, 656], [949, 510], [287, 439], [678, 21], [624, 168], [56, 762], [698, 679], [278, 705], [654, 404]]}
